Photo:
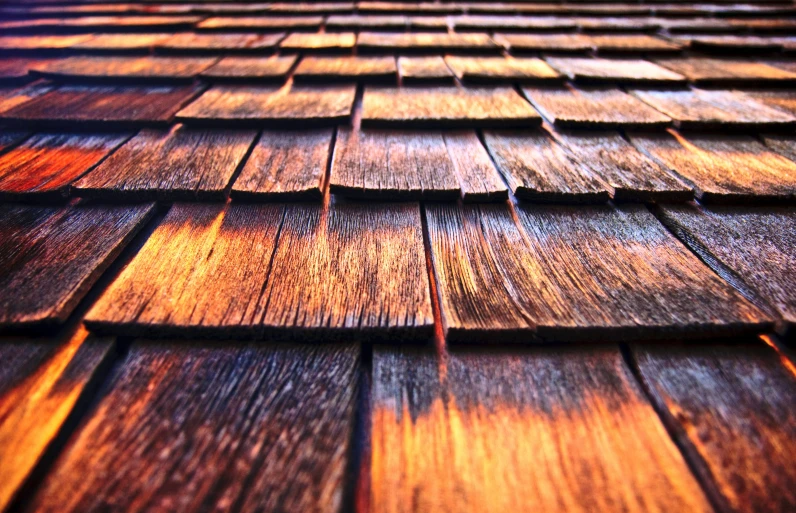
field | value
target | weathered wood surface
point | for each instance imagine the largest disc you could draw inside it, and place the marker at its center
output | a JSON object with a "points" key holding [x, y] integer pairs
{"points": [[575, 273], [426, 42], [782, 144], [349, 22], [782, 101], [752, 248], [545, 42], [250, 69], [120, 44], [614, 71], [43, 167], [633, 43], [423, 70], [95, 106], [346, 69], [169, 165], [480, 23], [12, 96], [710, 109], [568, 107], [731, 405], [723, 168], [496, 430], [14, 71], [124, 69], [539, 169], [308, 43], [41, 381], [629, 174], [211, 43], [9, 139], [295, 106], [705, 71], [50, 257], [502, 69], [230, 423], [261, 23], [730, 43], [38, 45], [478, 177], [446, 107], [285, 166], [625, 24]]}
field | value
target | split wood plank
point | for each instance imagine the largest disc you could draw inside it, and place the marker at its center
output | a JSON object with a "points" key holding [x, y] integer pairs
{"points": [[705, 71], [576, 273], [356, 22], [614, 71], [297, 106], [424, 70], [169, 165], [346, 69], [629, 174], [495, 431], [731, 405], [633, 43], [751, 248], [212, 43], [105, 107], [42, 381], [537, 168], [250, 69], [52, 256], [709, 109], [446, 107], [568, 107], [325, 42], [723, 168], [124, 69], [782, 144], [285, 166], [502, 69], [261, 24], [544, 42], [426, 43], [240, 419], [479, 179], [120, 44], [43, 167]]}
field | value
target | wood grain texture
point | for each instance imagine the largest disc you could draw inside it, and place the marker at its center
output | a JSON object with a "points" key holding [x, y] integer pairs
{"points": [[629, 174], [295, 106], [782, 144], [89, 24], [250, 69], [346, 69], [124, 69], [43, 379], [261, 23], [544, 42], [575, 273], [52, 256], [43, 167], [782, 101], [312, 43], [731, 404], [480, 23], [752, 248], [356, 22], [710, 109], [478, 177], [38, 45], [446, 107], [426, 42], [117, 107], [12, 96], [119, 44], [593, 24], [169, 165], [723, 168], [214, 44], [705, 71], [424, 70], [9, 139], [539, 169], [285, 166], [14, 71], [731, 43], [502, 69], [496, 430], [633, 43], [227, 422], [614, 71], [568, 107]]}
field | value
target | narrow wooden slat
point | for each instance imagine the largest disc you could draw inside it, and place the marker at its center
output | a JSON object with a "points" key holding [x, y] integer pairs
{"points": [[703, 25], [356, 22], [250, 69], [9, 139], [613, 71], [502, 69], [119, 44], [422, 70], [732, 405], [623, 24], [782, 101], [124, 69], [723, 168], [304, 8], [51, 257], [39, 45], [307, 43], [568, 107], [88, 24], [261, 23], [12, 96], [346, 69], [633, 44], [169, 165], [285, 166], [729, 43], [545, 42], [43, 167], [204, 43], [494, 431], [512, 23], [704, 71], [426, 42], [230, 423], [14, 71], [478, 177]]}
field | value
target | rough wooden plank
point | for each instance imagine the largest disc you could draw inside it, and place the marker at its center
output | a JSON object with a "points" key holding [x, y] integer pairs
{"points": [[424, 70], [211, 43], [751, 248], [426, 42], [324, 42], [346, 69], [629, 174], [295, 106], [731, 405], [311, 7], [575, 273], [502, 69], [408, 7], [723, 168], [697, 26], [285, 166], [261, 23], [731, 44], [568, 107], [544, 42], [782, 144], [478, 177], [428, 23], [11, 96], [613, 71], [633, 43], [708, 109], [496, 431], [705, 71], [356, 22], [446, 107], [512, 23], [250, 69], [616, 24], [43, 167], [95, 106], [780, 25], [227, 422], [124, 69], [43, 380], [39, 45], [782, 101], [539, 169], [118, 44], [9, 139], [88, 24], [169, 165], [51, 257]]}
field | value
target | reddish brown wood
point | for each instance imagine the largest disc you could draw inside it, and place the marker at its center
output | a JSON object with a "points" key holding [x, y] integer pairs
{"points": [[613, 71], [250, 69], [311, 43], [423, 70], [502, 69], [124, 69], [346, 69], [261, 23]]}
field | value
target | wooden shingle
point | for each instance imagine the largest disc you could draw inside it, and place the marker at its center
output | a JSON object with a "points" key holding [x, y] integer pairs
{"points": [[704, 71], [310, 43], [502, 69], [124, 69], [250, 69], [426, 43], [613, 71], [214, 44], [261, 24], [424, 70], [346, 69]]}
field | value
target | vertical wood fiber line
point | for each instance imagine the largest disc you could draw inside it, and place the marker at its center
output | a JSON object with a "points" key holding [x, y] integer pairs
{"points": [[439, 329]]}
